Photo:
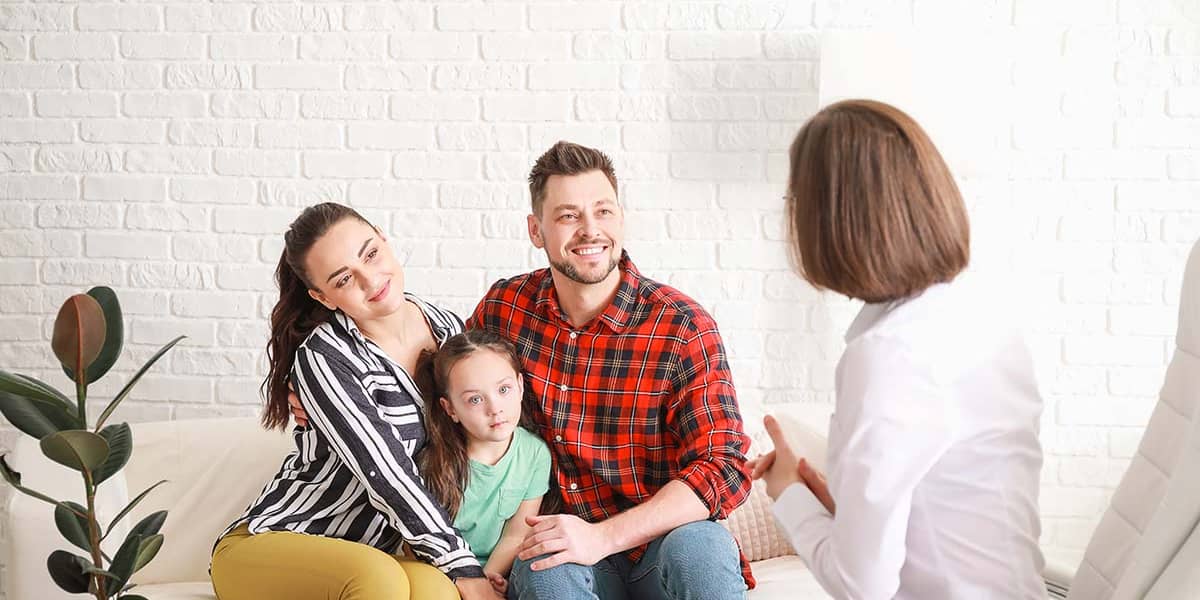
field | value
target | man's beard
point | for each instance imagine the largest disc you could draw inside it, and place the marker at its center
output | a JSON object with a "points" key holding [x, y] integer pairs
{"points": [[573, 274]]}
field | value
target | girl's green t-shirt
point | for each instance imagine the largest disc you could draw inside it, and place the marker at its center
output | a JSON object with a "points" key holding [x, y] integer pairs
{"points": [[494, 492]]}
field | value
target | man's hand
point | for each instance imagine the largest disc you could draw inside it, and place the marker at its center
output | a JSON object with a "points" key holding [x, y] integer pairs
{"points": [[298, 413], [567, 538], [476, 588], [499, 583], [781, 468]]}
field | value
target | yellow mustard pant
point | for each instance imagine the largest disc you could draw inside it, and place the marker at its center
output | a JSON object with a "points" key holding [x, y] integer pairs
{"points": [[294, 566]]}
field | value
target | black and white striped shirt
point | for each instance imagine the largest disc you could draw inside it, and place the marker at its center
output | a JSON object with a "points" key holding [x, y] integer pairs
{"points": [[352, 475]]}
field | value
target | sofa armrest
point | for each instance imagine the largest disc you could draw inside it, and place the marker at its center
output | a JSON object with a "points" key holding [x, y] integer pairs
{"points": [[1058, 578]]}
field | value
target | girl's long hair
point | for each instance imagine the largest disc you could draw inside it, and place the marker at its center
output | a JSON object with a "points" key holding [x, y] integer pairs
{"points": [[296, 314], [443, 462]]}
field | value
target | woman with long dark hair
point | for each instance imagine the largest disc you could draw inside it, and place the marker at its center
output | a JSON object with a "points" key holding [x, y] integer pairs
{"points": [[934, 457], [347, 337]]}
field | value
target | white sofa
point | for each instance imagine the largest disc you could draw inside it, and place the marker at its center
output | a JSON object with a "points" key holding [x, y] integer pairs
{"points": [[217, 466]]}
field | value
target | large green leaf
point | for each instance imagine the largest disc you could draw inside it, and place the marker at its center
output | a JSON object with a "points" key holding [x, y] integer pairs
{"points": [[114, 327], [136, 376], [125, 560], [147, 550], [133, 503], [120, 446], [150, 525], [77, 449], [38, 419], [72, 526], [69, 571], [28, 387], [79, 332]]}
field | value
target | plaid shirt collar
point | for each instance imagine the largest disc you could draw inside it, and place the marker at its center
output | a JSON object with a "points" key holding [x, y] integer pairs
{"points": [[619, 312]]}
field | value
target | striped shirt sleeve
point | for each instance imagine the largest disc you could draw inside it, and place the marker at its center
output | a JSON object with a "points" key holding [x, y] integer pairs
{"points": [[340, 407]]}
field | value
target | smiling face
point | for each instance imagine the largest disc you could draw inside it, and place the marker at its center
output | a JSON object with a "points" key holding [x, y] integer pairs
{"points": [[581, 227], [483, 394], [352, 268]]}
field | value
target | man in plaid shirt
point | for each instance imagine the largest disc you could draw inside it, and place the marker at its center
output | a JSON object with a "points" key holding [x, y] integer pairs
{"points": [[634, 399]]}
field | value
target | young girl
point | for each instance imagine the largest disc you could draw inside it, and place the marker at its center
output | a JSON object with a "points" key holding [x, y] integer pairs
{"points": [[487, 471]]}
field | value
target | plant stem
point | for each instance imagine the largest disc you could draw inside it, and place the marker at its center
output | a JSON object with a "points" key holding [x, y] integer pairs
{"points": [[81, 396], [94, 534]]}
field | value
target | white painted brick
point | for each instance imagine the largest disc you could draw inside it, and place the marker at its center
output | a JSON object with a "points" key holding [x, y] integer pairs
{"points": [[1109, 412], [20, 329], [297, 17], [42, 244], [1073, 12], [15, 105], [621, 107], [1181, 228], [1059, 133], [120, 188], [17, 216], [1075, 381], [1096, 288], [155, 387], [1158, 133], [1183, 102], [712, 225], [439, 46], [75, 46], [77, 158], [717, 166], [708, 46], [689, 16], [505, 225], [1183, 41], [1157, 196], [75, 104], [264, 46], [246, 277], [238, 390], [437, 165], [37, 131], [663, 76], [390, 17], [1115, 164], [211, 133], [792, 46], [344, 47], [261, 220], [171, 160], [302, 134], [1114, 350], [667, 195], [773, 15], [212, 190], [162, 46], [208, 17], [286, 192], [175, 104], [39, 187], [859, 13], [753, 255], [254, 105], [126, 245], [527, 107], [208, 76], [1123, 441], [800, 76], [601, 136], [673, 255], [652, 166], [675, 136], [226, 361], [1136, 381], [713, 107], [755, 136], [479, 17], [389, 136], [574, 16], [480, 137], [75, 272], [243, 334], [171, 276], [18, 272], [420, 224], [14, 47], [256, 163], [47, 77], [119, 76], [298, 77], [36, 18], [478, 77], [510, 166], [387, 77], [482, 196], [392, 195], [22, 299], [345, 164], [167, 218], [526, 46], [619, 46], [212, 248], [1159, 258], [343, 106], [491, 253], [1158, 72]]}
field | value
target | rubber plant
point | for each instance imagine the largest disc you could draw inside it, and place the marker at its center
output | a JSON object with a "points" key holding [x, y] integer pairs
{"points": [[87, 339]]}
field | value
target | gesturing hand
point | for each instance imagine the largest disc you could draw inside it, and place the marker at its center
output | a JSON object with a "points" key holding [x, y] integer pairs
{"points": [[782, 467], [566, 538], [297, 410]]}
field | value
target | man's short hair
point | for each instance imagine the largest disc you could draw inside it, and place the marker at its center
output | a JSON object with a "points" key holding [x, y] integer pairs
{"points": [[872, 210], [566, 158]]}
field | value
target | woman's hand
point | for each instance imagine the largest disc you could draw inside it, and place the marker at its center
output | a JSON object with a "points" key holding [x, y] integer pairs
{"points": [[297, 410], [781, 468], [476, 588], [499, 583]]}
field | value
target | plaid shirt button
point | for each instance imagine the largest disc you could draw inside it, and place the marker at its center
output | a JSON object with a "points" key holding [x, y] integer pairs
{"points": [[574, 486], [558, 438], [562, 388], [574, 335]]}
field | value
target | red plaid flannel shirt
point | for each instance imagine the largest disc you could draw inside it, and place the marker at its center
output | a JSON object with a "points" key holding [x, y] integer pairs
{"points": [[639, 397]]}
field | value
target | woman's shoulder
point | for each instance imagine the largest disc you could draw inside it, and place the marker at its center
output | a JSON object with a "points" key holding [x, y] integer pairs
{"points": [[334, 342]]}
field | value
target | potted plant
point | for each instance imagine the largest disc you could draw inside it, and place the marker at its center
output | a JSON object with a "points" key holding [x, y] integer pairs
{"points": [[87, 339]]}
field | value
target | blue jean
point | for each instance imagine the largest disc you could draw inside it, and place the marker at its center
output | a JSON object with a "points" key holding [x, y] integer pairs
{"points": [[693, 561]]}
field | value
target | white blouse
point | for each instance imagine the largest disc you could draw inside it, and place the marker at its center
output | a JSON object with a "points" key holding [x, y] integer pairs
{"points": [[933, 457]]}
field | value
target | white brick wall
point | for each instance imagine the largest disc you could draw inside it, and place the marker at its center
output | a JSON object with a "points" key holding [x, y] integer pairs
{"points": [[161, 148]]}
